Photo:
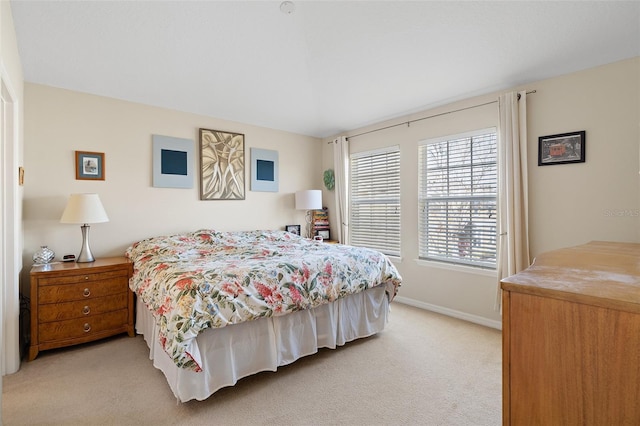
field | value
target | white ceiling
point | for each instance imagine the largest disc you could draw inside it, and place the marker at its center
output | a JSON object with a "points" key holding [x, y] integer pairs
{"points": [[324, 69]]}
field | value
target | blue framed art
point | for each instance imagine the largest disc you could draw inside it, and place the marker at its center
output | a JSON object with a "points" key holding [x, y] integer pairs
{"points": [[172, 162], [264, 170], [89, 165]]}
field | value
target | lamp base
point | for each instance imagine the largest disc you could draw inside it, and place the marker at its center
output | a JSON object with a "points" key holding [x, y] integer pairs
{"points": [[308, 219], [85, 255]]}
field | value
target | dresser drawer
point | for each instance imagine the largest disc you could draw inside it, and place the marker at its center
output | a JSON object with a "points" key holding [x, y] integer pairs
{"points": [[82, 327], [81, 291], [82, 308], [85, 277]]}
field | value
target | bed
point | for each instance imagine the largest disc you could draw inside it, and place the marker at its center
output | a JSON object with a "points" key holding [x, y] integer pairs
{"points": [[215, 307]]}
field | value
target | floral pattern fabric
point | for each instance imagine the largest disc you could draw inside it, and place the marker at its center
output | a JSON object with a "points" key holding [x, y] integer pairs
{"points": [[206, 279]]}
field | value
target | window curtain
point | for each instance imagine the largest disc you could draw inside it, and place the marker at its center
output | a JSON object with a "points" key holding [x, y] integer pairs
{"points": [[513, 220], [341, 172]]}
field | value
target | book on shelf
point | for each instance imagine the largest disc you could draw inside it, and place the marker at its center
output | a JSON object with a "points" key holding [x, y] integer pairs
{"points": [[320, 221]]}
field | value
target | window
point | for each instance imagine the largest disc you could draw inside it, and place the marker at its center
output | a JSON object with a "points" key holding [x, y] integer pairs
{"points": [[375, 200], [457, 198]]}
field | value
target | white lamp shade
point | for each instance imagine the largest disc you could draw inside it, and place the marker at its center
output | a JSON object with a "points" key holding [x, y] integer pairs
{"points": [[84, 208], [309, 200]]}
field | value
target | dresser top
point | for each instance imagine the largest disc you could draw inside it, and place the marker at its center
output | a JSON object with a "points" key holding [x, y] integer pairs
{"points": [[71, 266], [604, 273]]}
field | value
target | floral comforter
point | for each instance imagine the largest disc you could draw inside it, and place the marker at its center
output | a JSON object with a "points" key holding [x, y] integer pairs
{"points": [[205, 279]]}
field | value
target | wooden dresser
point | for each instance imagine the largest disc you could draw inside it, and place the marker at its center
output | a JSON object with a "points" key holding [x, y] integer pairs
{"points": [[74, 303], [571, 338]]}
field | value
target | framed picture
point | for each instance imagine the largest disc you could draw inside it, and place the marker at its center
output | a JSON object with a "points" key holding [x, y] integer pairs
{"points": [[172, 162], [324, 233], [89, 165], [221, 165], [264, 170], [294, 229], [562, 148]]}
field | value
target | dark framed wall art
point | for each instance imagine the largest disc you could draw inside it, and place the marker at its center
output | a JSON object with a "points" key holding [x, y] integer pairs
{"points": [[172, 162], [89, 165], [562, 148], [294, 229], [264, 170]]}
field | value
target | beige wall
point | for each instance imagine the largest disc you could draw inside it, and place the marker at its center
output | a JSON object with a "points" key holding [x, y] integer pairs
{"points": [[59, 122], [600, 199], [569, 204]]}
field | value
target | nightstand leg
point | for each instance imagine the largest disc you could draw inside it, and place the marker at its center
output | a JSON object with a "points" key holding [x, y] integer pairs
{"points": [[33, 353]]}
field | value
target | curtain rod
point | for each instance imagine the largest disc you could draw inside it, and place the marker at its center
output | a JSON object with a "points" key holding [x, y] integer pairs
{"points": [[408, 123]]}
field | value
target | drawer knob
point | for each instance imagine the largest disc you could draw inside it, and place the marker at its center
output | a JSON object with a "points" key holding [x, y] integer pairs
{"points": [[86, 310], [86, 292], [86, 277], [87, 327]]}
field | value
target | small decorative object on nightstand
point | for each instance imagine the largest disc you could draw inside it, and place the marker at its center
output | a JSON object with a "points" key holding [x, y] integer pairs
{"points": [[294, 229], [43, 255], [74, 303]]}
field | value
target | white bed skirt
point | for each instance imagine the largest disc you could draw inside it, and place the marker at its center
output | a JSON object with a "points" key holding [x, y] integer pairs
{"points": [[236, 351]]}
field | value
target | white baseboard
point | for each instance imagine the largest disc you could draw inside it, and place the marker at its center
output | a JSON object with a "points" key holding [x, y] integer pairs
{"points": [[450, 312]]}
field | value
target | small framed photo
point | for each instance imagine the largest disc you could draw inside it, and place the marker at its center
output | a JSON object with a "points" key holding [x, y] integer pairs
{"points": [[562, 148], [294, 229], [89, 165], [324, 233]]}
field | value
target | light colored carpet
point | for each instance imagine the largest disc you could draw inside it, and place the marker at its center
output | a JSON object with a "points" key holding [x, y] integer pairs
{"points": [[425, 369]]}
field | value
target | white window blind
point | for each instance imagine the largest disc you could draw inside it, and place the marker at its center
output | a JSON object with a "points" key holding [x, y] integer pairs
{"points": [[457, 198], [375, 200]]}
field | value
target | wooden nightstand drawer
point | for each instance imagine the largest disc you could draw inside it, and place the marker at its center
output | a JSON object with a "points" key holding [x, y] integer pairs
{"points": [[82, 308], [82, 327], [81, 291], [73, 303], [82, 277]]}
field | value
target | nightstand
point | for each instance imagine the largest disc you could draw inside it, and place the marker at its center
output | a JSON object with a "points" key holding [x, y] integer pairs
{"points": [[73, 303]]}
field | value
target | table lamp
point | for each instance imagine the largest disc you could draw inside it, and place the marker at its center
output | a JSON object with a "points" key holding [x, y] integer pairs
{"points": [[308, 200], [84, 209]]}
